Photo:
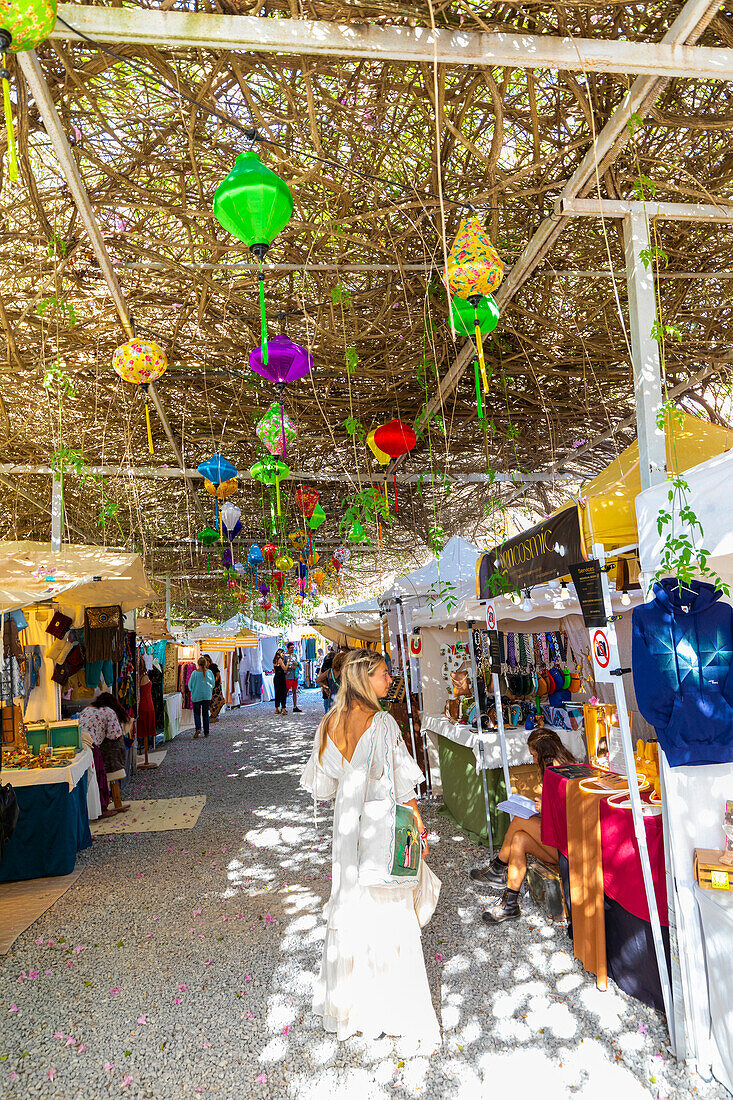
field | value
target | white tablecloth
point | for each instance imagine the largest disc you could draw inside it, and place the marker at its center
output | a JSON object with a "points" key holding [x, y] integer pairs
{"points": [[71, 774], [268, 686], [716, 916], [173, 712], [516, 740]]}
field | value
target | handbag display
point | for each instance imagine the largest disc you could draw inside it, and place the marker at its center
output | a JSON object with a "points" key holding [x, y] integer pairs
{"points": [[62, 673], [11, 640], [12, 729], [452, 710], [389, 847], [461, 682], [59, 625], [104, 635]]}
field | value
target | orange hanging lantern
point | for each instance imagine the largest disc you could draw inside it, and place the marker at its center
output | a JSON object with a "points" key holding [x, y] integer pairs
{"points": [[306, 499], [141, 362]]}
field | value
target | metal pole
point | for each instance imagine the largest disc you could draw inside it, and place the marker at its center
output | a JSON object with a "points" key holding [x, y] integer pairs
{"points": [[401, 629], [502, 732], [480, 732], [647, 369], [637, 815]]}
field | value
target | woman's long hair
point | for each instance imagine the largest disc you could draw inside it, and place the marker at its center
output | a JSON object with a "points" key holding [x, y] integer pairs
{"points": [[106, 699], [549, 749], [214, 667], [354, 687]]}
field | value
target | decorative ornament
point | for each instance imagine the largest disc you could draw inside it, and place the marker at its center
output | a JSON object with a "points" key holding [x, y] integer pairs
{"points": [[269, 552], [264, 588], [275, 430], [356, 531], [331, 567], [395, 438], [473, 264], [239, 568], [342, 554], [217, 469], [336, 563], [313, 558], [281, 362], [230, 516], [284, 563], [301, 570], [314, 591], [318, 517], [298, 539], [254, 557], [254, 205], [138, 361], [306, 499], [264, 603], [319, 576], [208, 536], [381, 457], [476, 317], [278, 579], [297, 600], [23, 26], [223, 491], [270, 471]]}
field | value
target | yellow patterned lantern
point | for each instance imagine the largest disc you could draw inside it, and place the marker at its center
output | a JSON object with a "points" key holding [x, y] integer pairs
{"points": [[284, 563], [297, 600], [381, 456], [141, 362], [319, 576], [298, 539], [224, 491], [474, 266]]}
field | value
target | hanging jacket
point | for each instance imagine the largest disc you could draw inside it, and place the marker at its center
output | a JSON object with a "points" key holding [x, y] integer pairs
{"points": [[682, 659]]}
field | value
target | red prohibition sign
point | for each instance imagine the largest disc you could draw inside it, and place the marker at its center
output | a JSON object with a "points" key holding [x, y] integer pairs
{"points": [[601, 649], [490, 618]]}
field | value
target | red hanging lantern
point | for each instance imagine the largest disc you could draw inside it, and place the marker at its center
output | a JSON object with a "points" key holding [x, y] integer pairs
{"points": [[336, 564], [278, 579], [395, 439], [306, 499], [270, 552]]}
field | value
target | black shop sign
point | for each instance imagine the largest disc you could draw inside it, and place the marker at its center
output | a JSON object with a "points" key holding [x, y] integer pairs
{"points": [[543, 553]]}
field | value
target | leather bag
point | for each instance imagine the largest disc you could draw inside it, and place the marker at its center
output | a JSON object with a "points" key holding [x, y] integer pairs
{"points": [[461, 682]]}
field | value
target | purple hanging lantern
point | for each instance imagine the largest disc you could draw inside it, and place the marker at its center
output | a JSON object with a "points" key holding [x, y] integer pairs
{"points": [[285, 362]]}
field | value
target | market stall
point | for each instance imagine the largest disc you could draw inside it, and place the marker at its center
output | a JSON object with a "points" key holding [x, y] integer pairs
{"points": [[68, 630], [697, 794], [352, 625], [244, 648]]}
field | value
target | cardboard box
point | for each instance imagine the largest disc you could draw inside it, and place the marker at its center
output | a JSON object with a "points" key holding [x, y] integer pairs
{"points": [[710, 873]]}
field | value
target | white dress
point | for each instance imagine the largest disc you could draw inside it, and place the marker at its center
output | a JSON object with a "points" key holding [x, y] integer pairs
{"points": [[373, 976]]}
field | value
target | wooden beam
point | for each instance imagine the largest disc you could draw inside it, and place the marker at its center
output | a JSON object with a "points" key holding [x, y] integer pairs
{"points": [[191, 30], [618, 208]]}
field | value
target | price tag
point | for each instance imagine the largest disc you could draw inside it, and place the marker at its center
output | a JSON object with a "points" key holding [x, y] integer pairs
{"points": [[719, 880]]}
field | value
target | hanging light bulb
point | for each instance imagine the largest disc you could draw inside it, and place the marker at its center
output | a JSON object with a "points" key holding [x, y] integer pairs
{"points": [[564, 592], [625, 598], [527, 601]]}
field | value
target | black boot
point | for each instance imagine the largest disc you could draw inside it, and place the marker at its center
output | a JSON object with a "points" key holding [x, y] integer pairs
{"points": [[507, 909], [494, 874]]}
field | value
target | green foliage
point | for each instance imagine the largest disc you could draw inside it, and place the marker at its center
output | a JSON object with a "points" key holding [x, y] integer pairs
{"points": [[355, 428], [424, 371], [660, 331], [644, 188], [340, 295], [669, 410], [367, 506], [442, 594], [635, 120], [352, 358], [67, 460], [58, 379], [60, 304], [436, 539], [681, 557], [424, 418], [647, 255]]}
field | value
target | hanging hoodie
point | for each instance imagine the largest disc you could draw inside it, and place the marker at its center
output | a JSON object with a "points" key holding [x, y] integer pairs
{"points": [[682, 659]]}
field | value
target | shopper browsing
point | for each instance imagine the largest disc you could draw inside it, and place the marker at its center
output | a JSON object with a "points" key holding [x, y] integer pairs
{"points": [[280, 682], [292, 674], [509, 867], [201, 687]]}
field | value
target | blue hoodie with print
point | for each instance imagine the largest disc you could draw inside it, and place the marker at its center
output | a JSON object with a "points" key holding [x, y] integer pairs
{"points": [[682, 659]]}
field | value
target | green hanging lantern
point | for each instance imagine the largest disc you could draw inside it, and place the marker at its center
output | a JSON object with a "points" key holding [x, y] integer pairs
{"points": [[356, 532], [24, 25], [270, 471], [254, 205], [208, 536], [318, 516], [463, 315]]}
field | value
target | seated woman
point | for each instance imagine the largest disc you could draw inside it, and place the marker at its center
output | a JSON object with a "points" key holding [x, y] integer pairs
{"points": [[523, 836]]}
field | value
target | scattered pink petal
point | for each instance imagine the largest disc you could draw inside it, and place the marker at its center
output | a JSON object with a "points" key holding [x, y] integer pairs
{"points": [[13, 1008], [107, 1067], [71, 1041], [268, 918], [177, 1001], [207, 1044], [643, 1029], [78, 949], [142, 1019], [286, 1029], [182, 988], [69, 963], [197, 912], [261, 1078], [48, 971], [14, 1076], [39, 941], [247, 978], [59, 1035], [249, 1015], [126, 1080], [51, 1073], [114, 992], [438, 957], [80, 1049]]}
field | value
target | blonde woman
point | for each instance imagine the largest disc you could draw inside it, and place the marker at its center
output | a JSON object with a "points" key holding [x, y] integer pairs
{"points": [[373, 977]]}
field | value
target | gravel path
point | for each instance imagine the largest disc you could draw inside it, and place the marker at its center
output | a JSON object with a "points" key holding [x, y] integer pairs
{"points": [[180, 964]]}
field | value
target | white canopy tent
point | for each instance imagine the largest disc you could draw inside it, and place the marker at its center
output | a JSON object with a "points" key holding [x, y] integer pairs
{"points": [[354, 620]]}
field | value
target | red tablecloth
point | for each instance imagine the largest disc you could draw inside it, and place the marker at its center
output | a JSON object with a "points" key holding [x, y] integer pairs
{"points": [[622, 878]]}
